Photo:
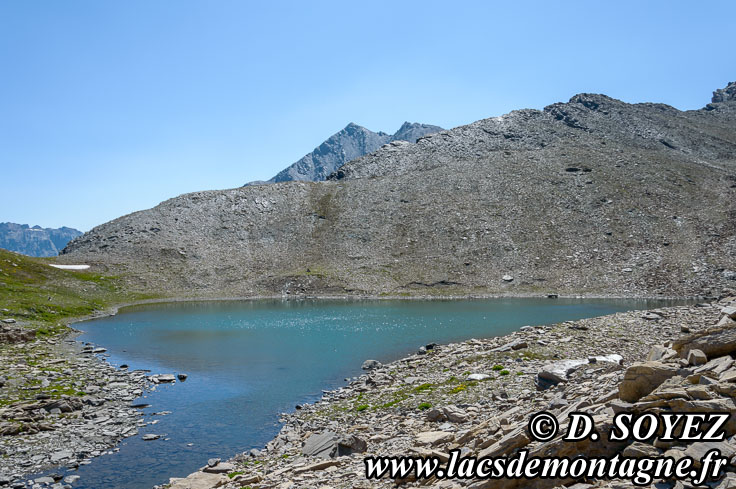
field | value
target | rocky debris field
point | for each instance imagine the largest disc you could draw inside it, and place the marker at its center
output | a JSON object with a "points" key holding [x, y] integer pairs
{"points": [[477, 396], [61, 404]]}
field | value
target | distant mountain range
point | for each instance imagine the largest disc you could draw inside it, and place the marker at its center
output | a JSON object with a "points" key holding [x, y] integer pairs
{"points": [[346, 145], [35, 241]]}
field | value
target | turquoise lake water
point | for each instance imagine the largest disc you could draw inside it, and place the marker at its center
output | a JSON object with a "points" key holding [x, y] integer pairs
{"points": [[247, 361]]}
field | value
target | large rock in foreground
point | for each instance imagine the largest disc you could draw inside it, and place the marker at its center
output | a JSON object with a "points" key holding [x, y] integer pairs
{"points": [[643, 378]]}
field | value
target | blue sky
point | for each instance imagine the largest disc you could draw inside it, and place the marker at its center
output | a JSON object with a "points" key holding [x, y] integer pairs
{"points": [[111, 107]]}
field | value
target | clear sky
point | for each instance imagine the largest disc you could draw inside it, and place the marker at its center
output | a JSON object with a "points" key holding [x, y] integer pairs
{"points": [[107, 107]]}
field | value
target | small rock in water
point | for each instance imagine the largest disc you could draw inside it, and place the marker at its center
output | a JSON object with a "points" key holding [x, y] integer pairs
{"points": [[150, 437], [182, 377], [213, 461]]}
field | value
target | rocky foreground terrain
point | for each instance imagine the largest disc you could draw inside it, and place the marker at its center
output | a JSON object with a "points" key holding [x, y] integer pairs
{"points": [[478, 395], [594, 196], [61, 405]]}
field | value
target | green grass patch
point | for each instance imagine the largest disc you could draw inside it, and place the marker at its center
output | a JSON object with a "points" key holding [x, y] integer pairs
{"points": [[423, 406], [45, 297], [423, 387]]}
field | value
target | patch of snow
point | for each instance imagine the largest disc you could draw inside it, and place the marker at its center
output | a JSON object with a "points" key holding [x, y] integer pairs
{"points": [[70, 267]]}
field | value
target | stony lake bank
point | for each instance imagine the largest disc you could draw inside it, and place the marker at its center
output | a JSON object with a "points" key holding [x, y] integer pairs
{"points": [[477, 396], [62, 404]]}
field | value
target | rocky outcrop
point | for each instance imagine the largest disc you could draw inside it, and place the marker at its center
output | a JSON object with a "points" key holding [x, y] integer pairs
{"points": [[351, 142], [727, 94], [35, 241], [592, 196]]}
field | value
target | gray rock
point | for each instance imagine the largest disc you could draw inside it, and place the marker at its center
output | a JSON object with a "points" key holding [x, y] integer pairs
{"points": [[370, 364], [642, 378], [323, 445], [454, 414], [554, 373], [477, 377], [696, 357], [220, 468]]}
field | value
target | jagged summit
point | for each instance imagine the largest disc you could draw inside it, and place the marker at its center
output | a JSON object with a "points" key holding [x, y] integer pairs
{"points": [[727, 94], [347, 144]]}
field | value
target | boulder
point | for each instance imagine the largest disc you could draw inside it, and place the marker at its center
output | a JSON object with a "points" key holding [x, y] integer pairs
{"points": [[434, 437], [322, 445], [557, 372], [696, 357], [660, 352], [729, 311], [642, 378], [477, 377], [514, 345], [651, 316], [510, 442], [350, 444], [698, 450], [455, 414], [370, 364], [714, 342], [435, 414], [219, 468], [165, 378], [330, 445], [198, 480]]}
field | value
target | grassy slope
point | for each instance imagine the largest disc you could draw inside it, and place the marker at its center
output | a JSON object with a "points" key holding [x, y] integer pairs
{"points": [[45, 298]]}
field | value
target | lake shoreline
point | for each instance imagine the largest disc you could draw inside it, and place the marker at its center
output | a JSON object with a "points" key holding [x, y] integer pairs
{"points": [[439, 408], [73, 333]]}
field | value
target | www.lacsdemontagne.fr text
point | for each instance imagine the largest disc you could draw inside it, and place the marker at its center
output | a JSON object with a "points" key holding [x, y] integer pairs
{"points": [[641, 471]]}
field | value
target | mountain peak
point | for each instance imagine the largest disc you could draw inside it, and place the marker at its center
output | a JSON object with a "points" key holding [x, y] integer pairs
{"points": [[351, 142]]}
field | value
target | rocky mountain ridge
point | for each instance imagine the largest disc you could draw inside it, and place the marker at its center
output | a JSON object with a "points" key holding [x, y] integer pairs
{"points": [[35, 241], [594, 196], [347, 144]]}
